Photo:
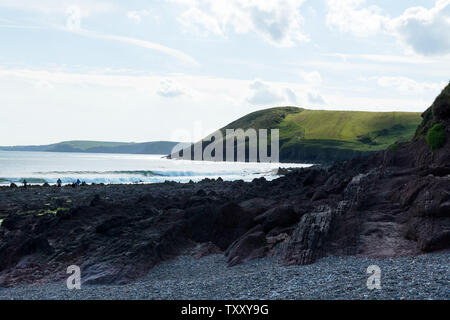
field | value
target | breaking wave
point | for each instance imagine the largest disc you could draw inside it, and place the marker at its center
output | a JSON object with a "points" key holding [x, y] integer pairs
{"points": [[39, 168]]}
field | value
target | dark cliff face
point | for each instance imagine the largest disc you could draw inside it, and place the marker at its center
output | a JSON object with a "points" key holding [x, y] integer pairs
{"points": [[437, 113], [441, 107]]}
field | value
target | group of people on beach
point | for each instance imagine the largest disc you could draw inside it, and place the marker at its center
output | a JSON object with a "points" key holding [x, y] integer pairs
{"points": [[58, 183]]}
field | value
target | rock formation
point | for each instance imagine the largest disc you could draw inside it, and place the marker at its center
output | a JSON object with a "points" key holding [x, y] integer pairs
{"points": [[395, 202]]}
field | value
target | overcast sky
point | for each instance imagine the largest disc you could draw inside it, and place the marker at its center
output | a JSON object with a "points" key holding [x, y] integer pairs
{"points": [[144, 70]]}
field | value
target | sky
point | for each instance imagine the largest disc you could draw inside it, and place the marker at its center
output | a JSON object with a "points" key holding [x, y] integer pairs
{"points": [[146, 70]]}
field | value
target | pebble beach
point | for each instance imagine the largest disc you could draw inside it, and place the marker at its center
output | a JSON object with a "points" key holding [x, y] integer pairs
{"points": [[333, 278]]}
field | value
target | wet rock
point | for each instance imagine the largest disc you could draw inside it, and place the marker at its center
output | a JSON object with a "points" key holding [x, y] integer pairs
{"points": [[35, 245], [13, 221], [201, 193], [319, 195], [281, 216], [248, 247], [307, 241], [441, 106], [113, 226], [98, 274], [96, 200]]}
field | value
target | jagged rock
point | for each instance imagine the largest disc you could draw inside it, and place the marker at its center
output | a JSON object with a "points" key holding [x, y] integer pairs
{"points": [[201, 193], [319, 195], [35, 245], [429, 223], [441, 106], [308, 239], [281, 216], [14, 250], [96, 201], [248, 247], [100, 273], [113, 226], [220, 225], [12, 221]]}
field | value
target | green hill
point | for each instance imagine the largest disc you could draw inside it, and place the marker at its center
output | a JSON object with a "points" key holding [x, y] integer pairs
{"points": [[321, 136], [156, 147]]}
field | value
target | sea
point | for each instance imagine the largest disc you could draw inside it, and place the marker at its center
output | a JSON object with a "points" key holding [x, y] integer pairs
{"points": [[42, 167]]}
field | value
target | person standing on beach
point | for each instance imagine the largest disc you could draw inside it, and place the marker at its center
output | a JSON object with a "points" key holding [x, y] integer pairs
{"points": [[25, 183], [59, 182]]}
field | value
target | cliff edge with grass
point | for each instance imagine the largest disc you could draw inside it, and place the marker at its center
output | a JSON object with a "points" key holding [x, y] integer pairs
{"points": [[324, 136]]}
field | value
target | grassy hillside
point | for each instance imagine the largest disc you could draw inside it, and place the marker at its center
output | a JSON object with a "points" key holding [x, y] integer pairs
{"points": [[156, 147], [364, 131], [85, 145], [320, 135]]}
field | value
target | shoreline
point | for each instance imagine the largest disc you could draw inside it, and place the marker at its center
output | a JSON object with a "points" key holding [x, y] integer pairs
{"points": [[123, 169], [333, 278]]}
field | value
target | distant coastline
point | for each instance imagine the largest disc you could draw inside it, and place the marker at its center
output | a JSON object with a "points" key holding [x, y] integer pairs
{"points": [[154, 147]]}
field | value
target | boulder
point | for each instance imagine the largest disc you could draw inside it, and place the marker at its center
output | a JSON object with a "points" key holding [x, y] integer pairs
{"points": [[248, 247], [308, 240], [280, 216], [220, 225]]}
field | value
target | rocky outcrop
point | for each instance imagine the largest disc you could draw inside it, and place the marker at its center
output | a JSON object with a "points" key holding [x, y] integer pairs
{"points": [[248, 247], [441, 106], [307, 242], [281, 216], [395, 202]]}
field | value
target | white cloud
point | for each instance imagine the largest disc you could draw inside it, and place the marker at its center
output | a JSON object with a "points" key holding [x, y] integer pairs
{"points": [[291, 96], [230, 90], [412, 59], [140, 43], [130, 100], [425, 31], [87, 7], [169, 89], [350, 16], [201, 22], [73, 22], [269, 94], [405, 84], [76, 10], [279, 22], [313, 77], [315, 98], [263, 94], [136, 16]]}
